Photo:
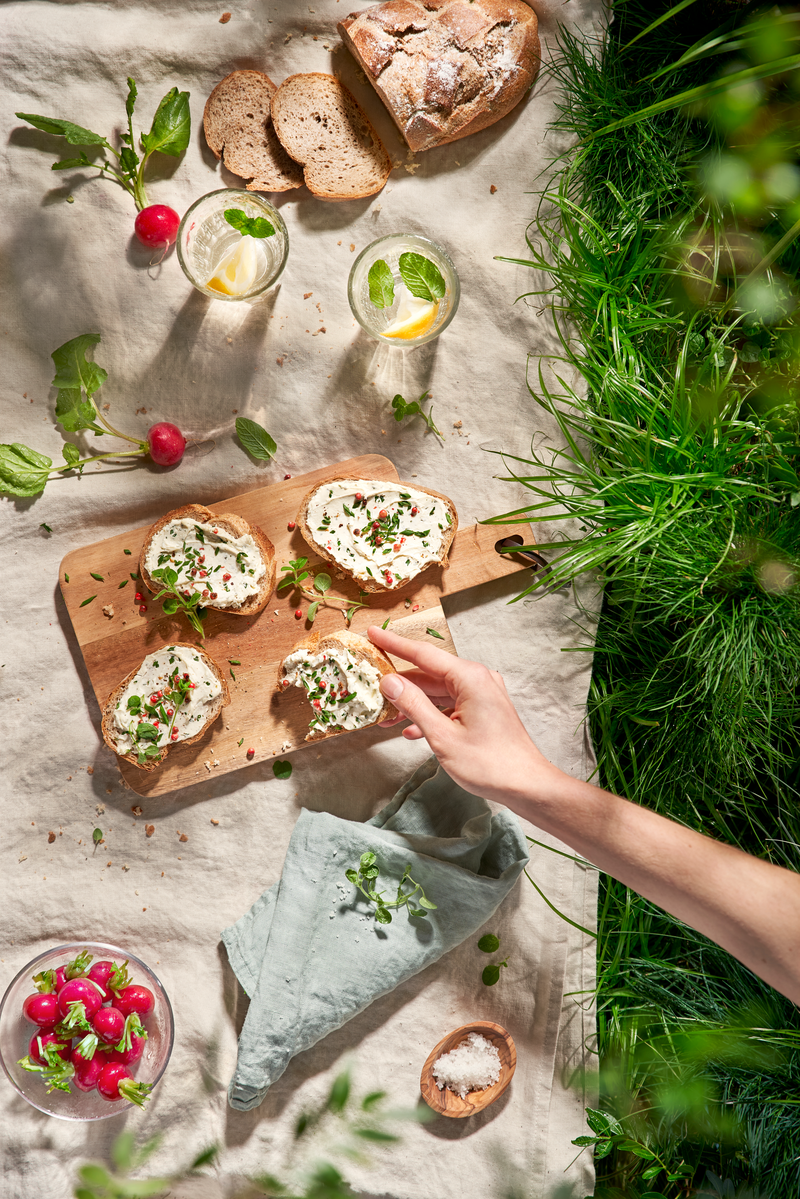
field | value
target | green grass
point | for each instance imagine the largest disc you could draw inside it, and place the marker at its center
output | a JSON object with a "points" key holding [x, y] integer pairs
{"points": [[680, 468]]}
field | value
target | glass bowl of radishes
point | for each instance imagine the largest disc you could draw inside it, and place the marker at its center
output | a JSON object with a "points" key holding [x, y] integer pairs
{"points": [[86, 1031]]}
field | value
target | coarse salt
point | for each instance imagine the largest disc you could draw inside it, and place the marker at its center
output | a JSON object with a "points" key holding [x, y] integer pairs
{"points": [[473, 1065]]}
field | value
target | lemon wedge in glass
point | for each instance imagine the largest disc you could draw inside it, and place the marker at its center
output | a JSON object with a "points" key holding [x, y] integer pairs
{"points": [[414, 317], [237, 271]]}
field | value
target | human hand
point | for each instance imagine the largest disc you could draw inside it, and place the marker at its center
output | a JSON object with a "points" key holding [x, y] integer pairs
{"points": [[479, 739]]}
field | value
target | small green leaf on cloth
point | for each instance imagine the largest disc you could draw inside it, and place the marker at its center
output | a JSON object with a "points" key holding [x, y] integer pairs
{"points": [[255, 439], [282, 769]]}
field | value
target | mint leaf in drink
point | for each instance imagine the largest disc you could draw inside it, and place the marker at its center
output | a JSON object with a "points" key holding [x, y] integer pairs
{"points": [[76, 135], [255, 439], [248, 226], [489, 943], [171, 125], [282, 770], [422, 277], [23, 472], [381, 284]]}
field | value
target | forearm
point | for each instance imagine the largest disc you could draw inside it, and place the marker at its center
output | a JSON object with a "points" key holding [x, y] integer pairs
{"points": [[750, 907]]}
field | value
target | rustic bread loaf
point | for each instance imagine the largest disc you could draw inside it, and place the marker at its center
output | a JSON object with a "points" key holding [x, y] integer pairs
{"points": [[360, 649], [239, 129], [109, 708], [234, 525], [445, 68], [324, 128], [375, 584]]}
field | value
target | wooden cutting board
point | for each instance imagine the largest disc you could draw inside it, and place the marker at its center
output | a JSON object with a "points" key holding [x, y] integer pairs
{"points": [[258, 716]]}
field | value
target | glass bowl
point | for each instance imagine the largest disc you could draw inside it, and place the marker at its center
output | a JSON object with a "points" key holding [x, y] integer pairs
{"points": [[16, 1032], [205, 238], [376, 320]]}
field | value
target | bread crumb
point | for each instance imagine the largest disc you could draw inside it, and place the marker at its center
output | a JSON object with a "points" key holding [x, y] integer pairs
{"points": [[457, 424], [100, 808], [288, 38], [136, 809], [279, 361], [108, 610], [492, 189], [51, 837], [90, 769], [352, 247], [183, 837], [307, 295], [149, 829], [338, 243], [226, 16], [213, 821]]}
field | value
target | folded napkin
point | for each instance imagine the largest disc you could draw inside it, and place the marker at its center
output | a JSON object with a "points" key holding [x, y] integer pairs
{"points": [[309, 953]]}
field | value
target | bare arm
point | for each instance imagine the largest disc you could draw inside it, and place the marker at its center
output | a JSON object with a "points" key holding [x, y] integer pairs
{"points": [[749, 907]]}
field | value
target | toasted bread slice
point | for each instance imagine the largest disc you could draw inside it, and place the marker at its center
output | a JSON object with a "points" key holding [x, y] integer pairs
{"points": [[229, 523], [109, 707], [238, 128], [359, 650], [375, 584], [323, 127]]}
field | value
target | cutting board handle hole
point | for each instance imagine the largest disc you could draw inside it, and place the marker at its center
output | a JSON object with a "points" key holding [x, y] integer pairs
{"points": [[534, 559]]}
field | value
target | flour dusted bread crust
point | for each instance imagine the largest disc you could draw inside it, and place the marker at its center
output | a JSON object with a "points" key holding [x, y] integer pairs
{"points": [[109, 708], [238, 128], [236, 526], [362, 650], [369, 584], [445, 68], [323, 127]]}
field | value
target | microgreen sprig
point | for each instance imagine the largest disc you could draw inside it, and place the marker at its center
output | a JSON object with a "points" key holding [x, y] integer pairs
{"points": [[177, 600], [296, 574], [145, 738], [402, 410], [366, 878], [56, 1071]]}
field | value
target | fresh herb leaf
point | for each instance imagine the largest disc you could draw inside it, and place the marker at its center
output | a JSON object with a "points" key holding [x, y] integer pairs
{"points": [[76, 374], [234, 662], [87, 601], [175, 600], [422, 277], [248, 226], [233, 676], [97, 836], [322, 583], [312, 612], [71, 453], [381, 284], [99, 578], [282, 770], [365, 879], [255, 439], [127, 552], [44, 526], [433, 633], [240, 743], [171, 126], [23, 472], [385, 624], [66, 578], [124, 583], [491, 974], [489, 943], [402, 410]]}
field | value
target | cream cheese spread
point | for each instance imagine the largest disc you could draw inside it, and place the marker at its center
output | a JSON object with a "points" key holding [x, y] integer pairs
{"points": [[226, 570], [169, 699], [344, 693], [378, 530]]}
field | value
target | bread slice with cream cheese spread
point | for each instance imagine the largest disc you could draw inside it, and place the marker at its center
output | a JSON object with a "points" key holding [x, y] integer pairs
{"points": [[341, 673], [171, 698], [230, 562], [383, 539]]}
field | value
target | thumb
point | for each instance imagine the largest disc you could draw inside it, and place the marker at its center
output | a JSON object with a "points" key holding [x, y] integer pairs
{"points": [[411, 701]]}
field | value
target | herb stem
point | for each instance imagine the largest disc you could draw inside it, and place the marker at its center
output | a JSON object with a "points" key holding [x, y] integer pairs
{"points": [[96, 458], [136, 440]]}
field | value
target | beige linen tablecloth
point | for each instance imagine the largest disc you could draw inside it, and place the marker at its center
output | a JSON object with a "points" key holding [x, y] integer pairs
{"points": [[298, 364]]}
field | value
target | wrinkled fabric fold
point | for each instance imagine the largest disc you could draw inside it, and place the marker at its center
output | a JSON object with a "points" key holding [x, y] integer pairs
{"points": [[309, 952]]}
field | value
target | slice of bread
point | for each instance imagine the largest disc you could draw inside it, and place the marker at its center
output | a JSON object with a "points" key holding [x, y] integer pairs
{"points": [[109, 707], [445, 68], [362, 650], [237, 526], [238, 128], [374, 585], [323, 127]]}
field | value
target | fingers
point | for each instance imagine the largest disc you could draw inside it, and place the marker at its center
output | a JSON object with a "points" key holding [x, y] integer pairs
{"points": [[414, 704], [433, 661]]}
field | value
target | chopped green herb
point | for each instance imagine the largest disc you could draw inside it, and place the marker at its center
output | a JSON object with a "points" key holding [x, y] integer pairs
{"points": [[66, 578], [433, 633], [233, 676], [44, 526], [385, 624], [124, 583], [99, 578], [126, 552], [88, 601], [240, 743], [234, 661]]}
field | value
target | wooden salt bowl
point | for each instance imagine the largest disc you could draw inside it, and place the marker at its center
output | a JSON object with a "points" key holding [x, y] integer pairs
{"points": [[446, 1102]]}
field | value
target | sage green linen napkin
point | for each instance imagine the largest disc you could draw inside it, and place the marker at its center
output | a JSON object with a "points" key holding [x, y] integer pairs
{"points": [[309, 953]]}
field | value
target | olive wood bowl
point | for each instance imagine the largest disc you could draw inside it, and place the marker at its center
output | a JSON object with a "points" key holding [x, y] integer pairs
{"points": [[447, 1102]]}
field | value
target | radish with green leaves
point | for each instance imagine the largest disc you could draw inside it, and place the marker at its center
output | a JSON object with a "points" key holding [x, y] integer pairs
{"points": [[109, 1024], [39, 1042], [79, 992], [88, 1068], [156, 224], [116, 1082], [25, 472], [136, 999]]}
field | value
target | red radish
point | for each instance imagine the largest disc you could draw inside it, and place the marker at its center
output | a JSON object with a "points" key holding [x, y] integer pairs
{"points": [[157, 225], [87, 1070], [166, 443], [99, 975], [80, 990], [61, 1046], [41, 1009], [109, 1024], [116, 1082], [61, 978], [134, 999], [131, 1055]]}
